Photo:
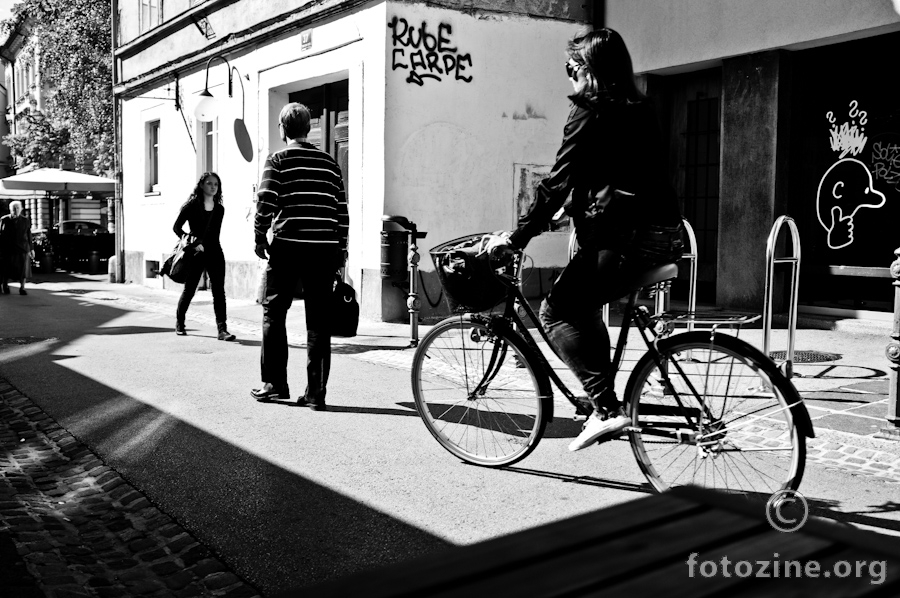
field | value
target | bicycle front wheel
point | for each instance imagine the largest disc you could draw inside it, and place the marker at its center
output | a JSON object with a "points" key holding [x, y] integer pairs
{"points": [[718, 415], [477, 392]]}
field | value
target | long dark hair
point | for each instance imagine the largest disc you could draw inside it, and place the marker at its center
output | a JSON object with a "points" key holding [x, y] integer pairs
{"points": [[197, 193], [608, 71]]}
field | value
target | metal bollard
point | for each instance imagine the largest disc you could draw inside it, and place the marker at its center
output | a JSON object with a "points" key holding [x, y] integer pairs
{"points": [[413, 303], [892, 352], [771, 260]]}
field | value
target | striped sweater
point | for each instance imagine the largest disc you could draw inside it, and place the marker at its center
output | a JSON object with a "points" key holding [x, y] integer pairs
{"points": [[303, 192]]}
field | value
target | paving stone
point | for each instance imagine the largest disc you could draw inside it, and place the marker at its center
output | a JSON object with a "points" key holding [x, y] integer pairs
{"points": [[207, 567], [242, 591], [217, 581], [178, 580]]}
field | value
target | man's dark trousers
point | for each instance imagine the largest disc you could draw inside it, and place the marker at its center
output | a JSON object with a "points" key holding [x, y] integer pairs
{"points": [[314, 266]]}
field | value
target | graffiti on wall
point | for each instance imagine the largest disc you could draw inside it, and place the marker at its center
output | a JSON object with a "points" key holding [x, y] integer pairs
{"points": [[427, 54], [847, 185], [886, 162]]}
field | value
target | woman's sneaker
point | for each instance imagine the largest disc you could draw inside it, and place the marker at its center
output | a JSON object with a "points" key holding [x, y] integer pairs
{"points": [[600, 424]]}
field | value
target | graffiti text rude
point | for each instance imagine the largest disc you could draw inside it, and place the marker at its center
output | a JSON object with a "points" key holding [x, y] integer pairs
{"points": [[427, 54]]}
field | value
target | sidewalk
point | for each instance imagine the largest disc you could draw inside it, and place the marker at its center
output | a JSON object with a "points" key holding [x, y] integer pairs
{"points": [[839, 366]]}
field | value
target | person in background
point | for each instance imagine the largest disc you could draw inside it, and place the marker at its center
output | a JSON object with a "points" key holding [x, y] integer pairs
{"points": [[301, 196], [626, 215], [15, 247], [203, 211]]}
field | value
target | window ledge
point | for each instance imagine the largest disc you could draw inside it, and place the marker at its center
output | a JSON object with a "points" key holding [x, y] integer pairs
{"points": [[151, 193]]}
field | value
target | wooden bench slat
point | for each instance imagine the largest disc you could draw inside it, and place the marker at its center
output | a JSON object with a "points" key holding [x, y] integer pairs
{"points": [[579, 572], [675, 581], [833, 587]]}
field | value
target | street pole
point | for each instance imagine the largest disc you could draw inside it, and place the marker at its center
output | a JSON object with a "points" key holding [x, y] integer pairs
{"points": [[892, 352]]}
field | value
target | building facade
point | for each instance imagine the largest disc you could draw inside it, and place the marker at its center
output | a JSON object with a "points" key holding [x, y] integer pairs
{"points": [[779, 108], [449, 113], [432, 110]]}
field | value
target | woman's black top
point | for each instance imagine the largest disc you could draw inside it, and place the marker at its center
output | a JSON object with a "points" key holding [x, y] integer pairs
{"points": [[607, 145], [204, 225]]}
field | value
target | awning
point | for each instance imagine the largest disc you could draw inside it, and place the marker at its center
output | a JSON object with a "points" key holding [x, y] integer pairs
{"points": [[54, 179]]}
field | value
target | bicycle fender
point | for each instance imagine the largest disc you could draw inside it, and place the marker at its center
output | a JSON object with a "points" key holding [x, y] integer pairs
{"points": [[802, 419], [543, 380]]}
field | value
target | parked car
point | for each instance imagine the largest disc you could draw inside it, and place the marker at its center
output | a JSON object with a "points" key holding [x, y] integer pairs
{"points": [[73, 242]]}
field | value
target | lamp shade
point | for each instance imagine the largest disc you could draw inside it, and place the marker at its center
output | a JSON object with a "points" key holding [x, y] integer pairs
{"points": [[207, 107]]}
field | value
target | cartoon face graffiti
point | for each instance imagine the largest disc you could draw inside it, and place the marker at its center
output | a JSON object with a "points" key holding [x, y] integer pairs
{"points": [[845, 188]]}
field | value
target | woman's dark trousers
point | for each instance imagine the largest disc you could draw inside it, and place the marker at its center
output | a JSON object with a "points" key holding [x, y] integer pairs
{"points": [[573, 317], [314, 268], [214, 264]]}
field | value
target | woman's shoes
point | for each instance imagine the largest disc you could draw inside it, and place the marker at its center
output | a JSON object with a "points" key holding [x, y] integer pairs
{"points": [[224, 335], [179, 329]]}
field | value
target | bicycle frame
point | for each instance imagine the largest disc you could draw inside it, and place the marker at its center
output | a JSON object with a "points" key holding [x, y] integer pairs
{"points": [[633, 314]]}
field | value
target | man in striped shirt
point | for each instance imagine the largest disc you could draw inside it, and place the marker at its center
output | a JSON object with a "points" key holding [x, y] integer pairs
{"points": [[301, 197]]}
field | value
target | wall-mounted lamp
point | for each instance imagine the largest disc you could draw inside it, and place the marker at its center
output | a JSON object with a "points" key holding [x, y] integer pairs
{"points": [[208, 108]]}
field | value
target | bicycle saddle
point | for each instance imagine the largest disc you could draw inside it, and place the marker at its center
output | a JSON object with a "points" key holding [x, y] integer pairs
{"points": [[653, 276]]}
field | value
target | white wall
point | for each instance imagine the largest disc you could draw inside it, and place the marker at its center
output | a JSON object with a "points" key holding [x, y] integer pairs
{"points": [[451, 145], [662, 34], [348, 48]]}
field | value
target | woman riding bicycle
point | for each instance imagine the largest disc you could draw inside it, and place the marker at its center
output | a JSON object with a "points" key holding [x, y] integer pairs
{"points": [[613, 162]]}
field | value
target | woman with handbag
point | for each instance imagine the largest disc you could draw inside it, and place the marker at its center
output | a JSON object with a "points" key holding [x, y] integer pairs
{"points": [[626, 215], [203, 211]]}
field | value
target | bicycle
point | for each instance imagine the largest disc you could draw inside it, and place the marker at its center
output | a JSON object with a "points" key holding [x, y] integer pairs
{"points": [[707, 408]]}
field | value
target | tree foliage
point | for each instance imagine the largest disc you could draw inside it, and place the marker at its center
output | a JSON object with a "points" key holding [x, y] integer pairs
{"points": [[74, 48]]}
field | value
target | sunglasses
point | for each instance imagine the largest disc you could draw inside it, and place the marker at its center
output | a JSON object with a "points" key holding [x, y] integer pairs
{"points": [[572, 69]]}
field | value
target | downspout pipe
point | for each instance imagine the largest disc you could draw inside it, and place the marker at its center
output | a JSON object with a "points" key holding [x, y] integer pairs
{"points": [[117, 151]]}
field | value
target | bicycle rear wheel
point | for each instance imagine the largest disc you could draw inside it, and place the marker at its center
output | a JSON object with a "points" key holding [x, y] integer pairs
{"points": [[472, 396], [733, 428]]}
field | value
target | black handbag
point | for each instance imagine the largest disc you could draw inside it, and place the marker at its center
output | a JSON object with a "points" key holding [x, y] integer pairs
{"points": [[177, 266], [179, 263], [345, 310]]}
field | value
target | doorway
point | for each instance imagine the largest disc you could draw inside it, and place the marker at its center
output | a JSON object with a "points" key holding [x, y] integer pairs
{"points": [[329, 121]]}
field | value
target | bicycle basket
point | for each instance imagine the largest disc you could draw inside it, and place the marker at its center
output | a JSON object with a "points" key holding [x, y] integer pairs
{"points": [[469, 279]]}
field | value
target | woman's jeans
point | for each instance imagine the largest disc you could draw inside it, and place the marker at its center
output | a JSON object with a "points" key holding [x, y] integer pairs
{"points": [[572, 315], [214, 263]]}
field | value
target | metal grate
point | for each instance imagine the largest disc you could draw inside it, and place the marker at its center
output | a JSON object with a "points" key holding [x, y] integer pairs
{"points": [[806, 356]]}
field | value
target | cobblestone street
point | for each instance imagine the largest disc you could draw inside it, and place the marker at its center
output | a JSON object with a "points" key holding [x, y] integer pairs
{"points": [[71, 527]]}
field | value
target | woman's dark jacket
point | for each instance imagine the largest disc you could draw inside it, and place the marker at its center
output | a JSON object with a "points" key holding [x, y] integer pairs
{"points": [[197, 218], [608, 147]]}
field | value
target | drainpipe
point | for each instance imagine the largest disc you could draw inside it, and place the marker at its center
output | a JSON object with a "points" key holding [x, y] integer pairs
{"points": [[117, 152], [598, 14]]}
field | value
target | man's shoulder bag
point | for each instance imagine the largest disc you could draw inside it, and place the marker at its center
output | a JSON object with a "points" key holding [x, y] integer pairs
{"points": [[345, 310]]}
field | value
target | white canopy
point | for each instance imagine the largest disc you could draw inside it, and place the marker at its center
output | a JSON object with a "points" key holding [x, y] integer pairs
{"points": [[54, 179]]}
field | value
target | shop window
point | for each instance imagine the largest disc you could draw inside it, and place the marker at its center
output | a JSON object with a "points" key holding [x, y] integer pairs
{"points": [[152, 163], [151, 14], [208, 146]]}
